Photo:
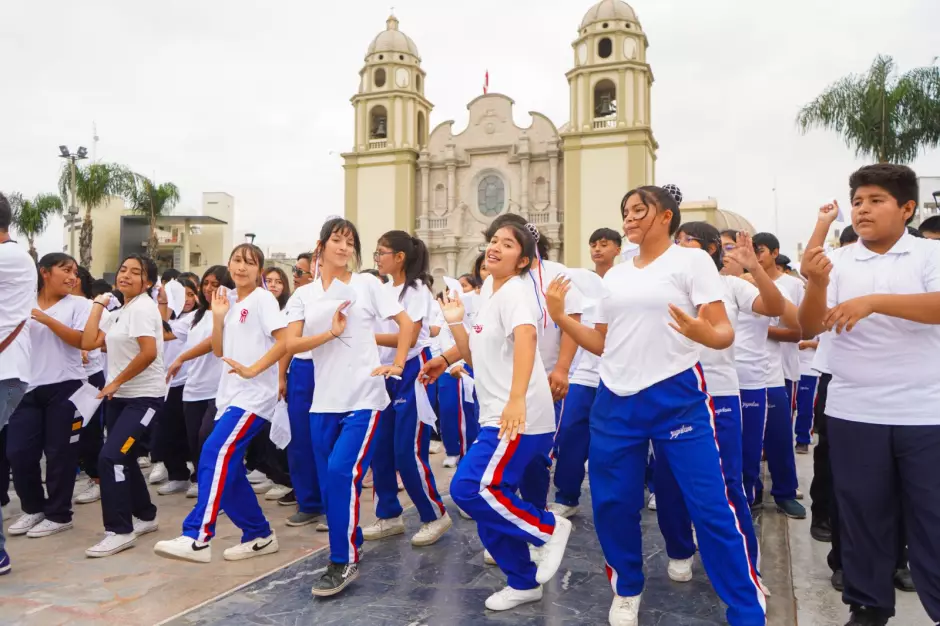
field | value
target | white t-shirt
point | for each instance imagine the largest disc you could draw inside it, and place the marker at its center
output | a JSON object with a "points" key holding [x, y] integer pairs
{"points": [[53, 361], [96, 358], [586, 365], [821, 358], [247, 335], [751, 358], [172, 349], [294, 311], [885, 370], [641, 348], [538, 279], [492, 346], [417, 303], [18, 282], [202, 380], [343, 367], [792, 289], [138, 318], [807, 357], [721, 377]]}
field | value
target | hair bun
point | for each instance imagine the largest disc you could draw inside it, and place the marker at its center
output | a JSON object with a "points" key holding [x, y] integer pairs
{"points": [[533, 230], [674, 191]]}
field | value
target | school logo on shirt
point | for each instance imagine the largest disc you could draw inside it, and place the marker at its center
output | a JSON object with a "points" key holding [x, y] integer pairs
{"points": [[243, 316], [477, 329], [679, 432]]}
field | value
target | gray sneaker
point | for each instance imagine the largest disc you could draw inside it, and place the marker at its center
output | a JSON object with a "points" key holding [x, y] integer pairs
{"points": [[302, 519]]}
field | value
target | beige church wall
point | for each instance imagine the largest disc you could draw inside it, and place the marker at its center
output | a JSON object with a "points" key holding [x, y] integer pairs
{"points": [[372, 188], [601, 190]]}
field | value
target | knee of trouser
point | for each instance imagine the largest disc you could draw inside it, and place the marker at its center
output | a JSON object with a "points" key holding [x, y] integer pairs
{"points": [[465, 492]]}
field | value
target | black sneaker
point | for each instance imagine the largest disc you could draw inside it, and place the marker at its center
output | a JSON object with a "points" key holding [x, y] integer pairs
{"points": [[802, 448], [792, 509], [903, 580], [836, 580], [866, 617], [821, 531], [302, 519], [288, 499], [336, 578]]}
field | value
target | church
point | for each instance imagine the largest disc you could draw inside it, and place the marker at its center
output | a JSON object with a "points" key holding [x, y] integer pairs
{"points": [[447, 184]]}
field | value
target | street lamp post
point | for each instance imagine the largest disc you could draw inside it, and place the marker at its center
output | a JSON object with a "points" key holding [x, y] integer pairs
{"points": [[73, 206]]}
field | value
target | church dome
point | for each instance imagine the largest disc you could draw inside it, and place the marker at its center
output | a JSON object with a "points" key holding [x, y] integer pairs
{"points": [[729, 220], [393, 40], [608, 10]]}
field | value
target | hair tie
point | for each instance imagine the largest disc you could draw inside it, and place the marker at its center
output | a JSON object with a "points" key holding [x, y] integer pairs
{"points": [[533, 230], [675, 192]]}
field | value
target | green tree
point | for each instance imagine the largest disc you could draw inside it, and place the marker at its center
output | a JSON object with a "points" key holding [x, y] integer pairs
{"points": [[152, 200], [31, 217], [94, 183], [879, 114]]}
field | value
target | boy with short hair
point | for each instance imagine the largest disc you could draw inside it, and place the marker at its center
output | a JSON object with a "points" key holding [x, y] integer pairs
{"points": [[930, 228], [881, 298]]}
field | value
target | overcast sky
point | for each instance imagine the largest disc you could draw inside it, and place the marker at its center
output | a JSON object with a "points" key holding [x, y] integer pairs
{"points": [[252, 97]]}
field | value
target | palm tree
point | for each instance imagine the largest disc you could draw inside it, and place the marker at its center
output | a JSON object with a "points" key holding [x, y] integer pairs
{"points": [[94, 183], [152, 200], [31, 217], [879, 114]]}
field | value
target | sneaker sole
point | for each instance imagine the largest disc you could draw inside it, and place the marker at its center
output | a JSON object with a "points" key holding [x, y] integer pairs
{"points": [[87, 501], [569, 514], [203, 556], [17, 532], [323, 528], [780, 510], [326, 593], [48, 533], [244, 556], [685, 577], [6, 569], [270, 497], [294, 503], [385, 534], [122, 548], [512, 605], [147, 531], [172, 493], [314, 520], [421, 543]]}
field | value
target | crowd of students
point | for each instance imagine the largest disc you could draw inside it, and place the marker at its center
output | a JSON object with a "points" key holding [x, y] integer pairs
{"points": [[685, 357]]}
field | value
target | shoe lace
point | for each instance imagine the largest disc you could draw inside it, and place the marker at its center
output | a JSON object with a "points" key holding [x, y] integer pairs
{"points": [[627, 603]]}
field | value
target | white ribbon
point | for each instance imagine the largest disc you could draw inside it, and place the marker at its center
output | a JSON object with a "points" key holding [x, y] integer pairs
{"points": [[175, 296], [425, 410], [468, 387], [280, 426]]}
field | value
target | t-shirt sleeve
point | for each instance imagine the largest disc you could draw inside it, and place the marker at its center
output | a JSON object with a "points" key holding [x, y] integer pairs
{"points": [[932, 268], [745, 294], [384, 301], [832, 292], [104, 323], [705, 284], [514, 310], [418, 303], [143, 321], [294, 311], [80, 313], [272, 318]]}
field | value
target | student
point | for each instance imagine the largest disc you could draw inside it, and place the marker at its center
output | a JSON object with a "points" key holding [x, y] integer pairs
{"points": [[205, 370], [170, 434], [248, 329], [349, 391], [760, 298], [402, 441], [468, 282], [783, 372], [516, 418], [574, 434], [480, 272], [930, 228], [45, 422], [18, 285], [135, 391], [806, 395], [652, 299], [303, 270]]}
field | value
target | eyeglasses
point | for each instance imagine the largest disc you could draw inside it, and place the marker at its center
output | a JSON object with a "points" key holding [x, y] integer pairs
{"points": [[728, 247], [681, 240], [378, 254], [298, 272]]}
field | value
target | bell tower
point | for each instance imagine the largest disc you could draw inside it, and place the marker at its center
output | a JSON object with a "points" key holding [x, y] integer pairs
{"points": [[608, 143], [391, 128]]}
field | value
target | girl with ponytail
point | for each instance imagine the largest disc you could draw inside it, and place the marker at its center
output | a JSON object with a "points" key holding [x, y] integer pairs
{"points": [[403, 440]]}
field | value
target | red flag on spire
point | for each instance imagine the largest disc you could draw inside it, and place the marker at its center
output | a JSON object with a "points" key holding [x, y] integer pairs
{"points": [[486, 83]]}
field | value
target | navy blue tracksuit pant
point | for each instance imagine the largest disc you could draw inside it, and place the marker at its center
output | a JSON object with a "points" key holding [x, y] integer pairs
{"points": [[45, 422], [886, 476], [805, 401], [92, 436], [458, 414], [678, 416], [572, 443], [301, 461], [778, 446]]}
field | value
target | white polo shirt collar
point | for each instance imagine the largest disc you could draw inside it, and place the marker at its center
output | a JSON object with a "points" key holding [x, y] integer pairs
{"points": [[903, 246]]}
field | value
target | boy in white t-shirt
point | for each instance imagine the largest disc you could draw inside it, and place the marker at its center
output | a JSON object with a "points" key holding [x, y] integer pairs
{"points": [[881, 296]]}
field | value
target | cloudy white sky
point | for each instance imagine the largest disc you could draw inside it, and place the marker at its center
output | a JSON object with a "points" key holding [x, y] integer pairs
{"points": [[252, 97]]}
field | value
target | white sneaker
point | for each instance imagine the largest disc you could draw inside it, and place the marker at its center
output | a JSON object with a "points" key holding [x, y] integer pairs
{"points": [[436, 447], [430, 533], [277, 492], [563, 510], [323, 528], [509, 598], [193, 490], [255, 477], [142, 527], [651, 503], [553, 551], [451, 462], [463, 513], [382, 528], [184, 549], [47, 527], [158, 474], [143, 462], [263, 487], [624, 611], [92, 493], [680, 570], [25, 522], [173, 486], [111, 544], [251, 549]]}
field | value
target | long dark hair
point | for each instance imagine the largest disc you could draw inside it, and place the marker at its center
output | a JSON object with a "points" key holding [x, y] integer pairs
{"points": [[187, 284], [53, 259], [707, 235], [85, 280], [337, 225], [285, 294], [220, 273], [470, 278], [417, 259], [657, 198], [148, 270], [478, 268], [513, 219]]}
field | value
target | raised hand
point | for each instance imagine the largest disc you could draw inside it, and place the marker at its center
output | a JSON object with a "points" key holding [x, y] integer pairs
{"points": [[828, 213], [104, 299], [220, 304], [555, 296], [743, 252], [816, 266], [452, 307]]}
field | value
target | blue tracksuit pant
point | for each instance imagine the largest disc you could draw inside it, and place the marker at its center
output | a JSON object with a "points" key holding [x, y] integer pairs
{"points": [[672, 513], [571, 444], [753, 422], [401, 445], [484, 487], [223, 480], [778, 447], [677, 415], [458, 414], [300, 457], [537, 477], [805, 404], [344, 444]]}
